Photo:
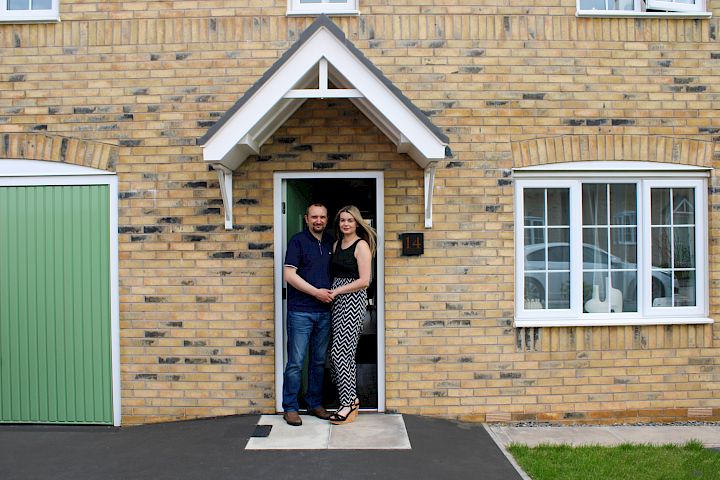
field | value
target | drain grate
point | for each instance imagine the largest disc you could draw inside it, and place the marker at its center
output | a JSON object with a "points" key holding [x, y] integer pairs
{"points": [[262, 431]]}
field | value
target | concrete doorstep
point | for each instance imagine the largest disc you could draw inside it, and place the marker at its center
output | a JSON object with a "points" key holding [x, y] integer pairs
{"points": [[369, 432]]}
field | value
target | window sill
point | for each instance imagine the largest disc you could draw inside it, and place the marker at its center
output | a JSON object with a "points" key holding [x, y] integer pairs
{"points": [[315, 13], [20, 19], [610, 322], [632, 14]]}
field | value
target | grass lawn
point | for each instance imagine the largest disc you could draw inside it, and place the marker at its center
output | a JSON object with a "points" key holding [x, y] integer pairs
{"points": [[631, 462]]}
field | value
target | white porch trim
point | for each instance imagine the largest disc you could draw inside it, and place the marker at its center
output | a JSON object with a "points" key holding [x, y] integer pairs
{"points": [[322, 58]]}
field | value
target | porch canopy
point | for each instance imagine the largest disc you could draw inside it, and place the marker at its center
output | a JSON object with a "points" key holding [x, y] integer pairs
{"points": [[321, 58]]}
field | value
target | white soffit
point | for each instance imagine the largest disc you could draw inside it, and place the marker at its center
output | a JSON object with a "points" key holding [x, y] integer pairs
{"points": [[266, 106]]}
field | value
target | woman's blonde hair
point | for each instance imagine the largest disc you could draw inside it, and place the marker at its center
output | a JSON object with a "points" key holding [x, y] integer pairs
{"points": [[364, 231]]}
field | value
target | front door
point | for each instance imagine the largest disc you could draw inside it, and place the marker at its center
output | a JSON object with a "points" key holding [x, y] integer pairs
{"points": [[294, 192]]}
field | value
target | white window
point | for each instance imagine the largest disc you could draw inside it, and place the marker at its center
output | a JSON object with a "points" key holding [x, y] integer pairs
{"points": [[316, 7], [29, 11], [610, 247], [626, 8]]}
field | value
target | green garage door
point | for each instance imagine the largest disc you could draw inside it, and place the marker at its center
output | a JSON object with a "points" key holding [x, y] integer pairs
{"points": [[55, 362]]}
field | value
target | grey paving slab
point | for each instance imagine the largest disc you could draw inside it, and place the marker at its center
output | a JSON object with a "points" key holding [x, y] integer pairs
{"points": [[371, 431], [533, 436], [313, 434], [607, 435], [215, 449], [676, 434]]}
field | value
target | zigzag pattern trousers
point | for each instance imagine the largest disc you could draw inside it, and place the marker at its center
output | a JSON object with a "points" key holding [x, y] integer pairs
{"points": [[348, 312]]}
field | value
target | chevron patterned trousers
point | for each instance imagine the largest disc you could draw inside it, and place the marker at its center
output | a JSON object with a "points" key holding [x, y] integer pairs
{"points": [[348, 312]]}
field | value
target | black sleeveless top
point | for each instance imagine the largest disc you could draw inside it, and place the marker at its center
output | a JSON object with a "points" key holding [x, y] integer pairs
{"points": [[344, 264]]}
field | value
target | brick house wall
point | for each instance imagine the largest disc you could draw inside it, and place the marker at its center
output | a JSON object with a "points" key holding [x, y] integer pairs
{"points": [[137, 83]]}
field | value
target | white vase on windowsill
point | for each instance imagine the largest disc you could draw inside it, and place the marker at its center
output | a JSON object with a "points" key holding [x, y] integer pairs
{"points": [[595, 305], [614, 300]]}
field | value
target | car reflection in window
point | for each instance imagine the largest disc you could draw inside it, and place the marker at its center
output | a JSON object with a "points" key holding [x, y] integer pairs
{"points": [[595, 263]]}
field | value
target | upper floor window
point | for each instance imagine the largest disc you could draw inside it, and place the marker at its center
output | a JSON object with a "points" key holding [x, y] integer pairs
{"points": [[608, 248], [29, 11], [316, 7], [631, 8]]}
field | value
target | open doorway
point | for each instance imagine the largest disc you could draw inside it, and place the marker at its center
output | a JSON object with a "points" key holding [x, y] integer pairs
{"points": [[293, 193]]}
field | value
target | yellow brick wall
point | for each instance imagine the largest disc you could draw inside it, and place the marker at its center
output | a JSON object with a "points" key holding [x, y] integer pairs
{"points": [[197, 328]]}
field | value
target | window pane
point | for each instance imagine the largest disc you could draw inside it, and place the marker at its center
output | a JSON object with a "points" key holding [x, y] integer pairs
{"points": [[594, 204], [661, 252], [559, 257], [684, 247], [685, 289], [310, 1], [661, 288], [595, 255], [683, 206], [558, 248], [621, 4], [18, 4], [559, 235], [594, 296], [42, 4], [534, 236], [547, 249], [534, 204], [626, 284], [623, 248], [611, 4], [673, 247], [592, 4], [535, 291], [623, 204], [535, 249], [660, 206], [559, 290], [558, 200]]}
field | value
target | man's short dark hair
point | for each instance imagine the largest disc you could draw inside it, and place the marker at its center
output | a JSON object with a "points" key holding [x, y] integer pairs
{"points": [[307, 210]]}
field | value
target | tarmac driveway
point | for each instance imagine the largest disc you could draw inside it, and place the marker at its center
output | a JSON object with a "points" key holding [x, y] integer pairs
{"points": [[215, 449]]}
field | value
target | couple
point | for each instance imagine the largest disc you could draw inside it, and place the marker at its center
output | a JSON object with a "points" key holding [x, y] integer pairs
{"points": [[327, 284]]}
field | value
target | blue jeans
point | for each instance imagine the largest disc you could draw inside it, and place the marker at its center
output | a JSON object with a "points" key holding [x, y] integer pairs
{"points": [[305, 328]]}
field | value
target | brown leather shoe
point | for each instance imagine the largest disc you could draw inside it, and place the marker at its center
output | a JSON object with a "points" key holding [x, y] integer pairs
{"points": [[320, 413], [292, 418]]}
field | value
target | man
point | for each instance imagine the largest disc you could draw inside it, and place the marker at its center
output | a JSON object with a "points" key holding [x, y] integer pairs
{"points": [[307, 273]]}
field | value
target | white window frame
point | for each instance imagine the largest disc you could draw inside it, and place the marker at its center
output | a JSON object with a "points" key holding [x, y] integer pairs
{"points": [[29, 16], [652, 9], [645, 180], [349, 7]]}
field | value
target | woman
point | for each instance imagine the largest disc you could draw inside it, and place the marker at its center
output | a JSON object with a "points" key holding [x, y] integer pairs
{"points": [[351, 270]]}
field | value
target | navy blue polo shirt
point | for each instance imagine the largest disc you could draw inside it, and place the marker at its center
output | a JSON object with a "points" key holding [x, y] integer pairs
{"points": [[312, 260]]}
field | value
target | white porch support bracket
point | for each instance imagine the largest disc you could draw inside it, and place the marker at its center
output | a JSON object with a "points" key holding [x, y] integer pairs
{"points": [[429, 186], [225, 176]]}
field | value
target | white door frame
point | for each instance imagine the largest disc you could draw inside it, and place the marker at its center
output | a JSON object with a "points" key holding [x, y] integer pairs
{"points": [[280, 343], [36, 172]]}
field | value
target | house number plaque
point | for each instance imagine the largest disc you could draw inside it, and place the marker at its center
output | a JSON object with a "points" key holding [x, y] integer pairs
{"points": [[412, 243]]}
